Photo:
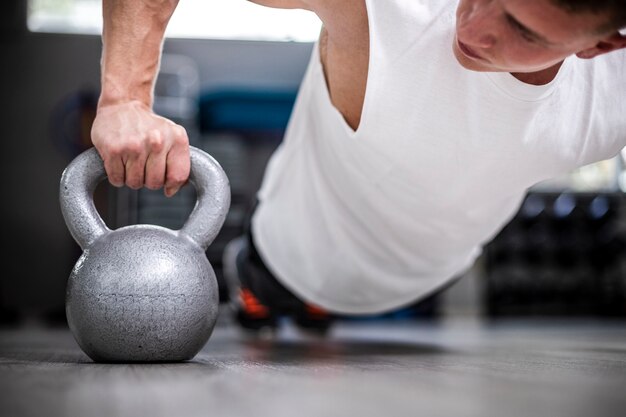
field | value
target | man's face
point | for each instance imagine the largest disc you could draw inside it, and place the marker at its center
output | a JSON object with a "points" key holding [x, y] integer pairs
{"points": [[521, 35]]}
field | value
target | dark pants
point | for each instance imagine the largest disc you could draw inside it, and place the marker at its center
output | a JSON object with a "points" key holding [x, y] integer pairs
{"points": [[255, 276]]}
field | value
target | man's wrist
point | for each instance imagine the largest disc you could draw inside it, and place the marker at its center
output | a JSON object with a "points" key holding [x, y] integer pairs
{"points": [[111, 95]]}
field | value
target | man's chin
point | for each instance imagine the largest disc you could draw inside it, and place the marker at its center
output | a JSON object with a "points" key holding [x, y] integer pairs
{"points": [[472, 64], [468, 63]]}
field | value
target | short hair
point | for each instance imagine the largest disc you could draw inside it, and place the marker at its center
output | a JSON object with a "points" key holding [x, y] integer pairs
{"points": [[614, 9]]}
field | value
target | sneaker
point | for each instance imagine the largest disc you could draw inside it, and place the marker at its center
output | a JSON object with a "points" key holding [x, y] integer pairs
{"points": [[248, 311], [314, 319]]}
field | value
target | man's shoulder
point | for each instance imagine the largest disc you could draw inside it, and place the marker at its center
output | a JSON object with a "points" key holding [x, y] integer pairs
{"points": [[608, 69]]}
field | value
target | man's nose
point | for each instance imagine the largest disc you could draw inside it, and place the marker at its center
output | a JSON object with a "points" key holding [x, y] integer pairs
{"points": [[477, 27]]}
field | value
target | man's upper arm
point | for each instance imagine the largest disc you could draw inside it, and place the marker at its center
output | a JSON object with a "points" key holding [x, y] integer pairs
{"points": [[320, 7], [338, 16]]}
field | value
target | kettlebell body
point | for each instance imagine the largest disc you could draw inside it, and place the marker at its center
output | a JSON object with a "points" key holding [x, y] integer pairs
{"points": [[142, 293]]}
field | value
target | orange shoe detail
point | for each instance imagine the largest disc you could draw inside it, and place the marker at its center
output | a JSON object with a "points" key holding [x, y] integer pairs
{"points": [[251, 305], [316, 312]]}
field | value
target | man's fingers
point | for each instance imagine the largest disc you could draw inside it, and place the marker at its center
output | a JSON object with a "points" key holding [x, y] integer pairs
{"points": [[155, 163], [135, 170], [155, 170], [114, 167], [177, 171]]}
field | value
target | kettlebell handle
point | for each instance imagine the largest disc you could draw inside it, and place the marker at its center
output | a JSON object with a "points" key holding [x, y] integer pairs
{"points": [[86, 171]]}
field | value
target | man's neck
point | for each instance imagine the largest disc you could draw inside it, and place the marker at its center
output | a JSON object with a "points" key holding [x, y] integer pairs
{"points": [[540, 77]]}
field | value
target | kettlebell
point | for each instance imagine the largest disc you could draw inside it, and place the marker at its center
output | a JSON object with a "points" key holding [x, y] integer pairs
{"points": [[142, 293]]}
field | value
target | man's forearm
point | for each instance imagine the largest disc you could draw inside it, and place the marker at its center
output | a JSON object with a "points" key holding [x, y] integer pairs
{"points": [[132, 40]]}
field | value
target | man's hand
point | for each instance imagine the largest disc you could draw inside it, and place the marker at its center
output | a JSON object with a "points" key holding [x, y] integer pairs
{"points": [[140, 148]]}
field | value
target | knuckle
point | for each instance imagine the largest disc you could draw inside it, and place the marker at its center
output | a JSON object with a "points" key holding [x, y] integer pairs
{"points": [[113, 150], [155, 141], [180, 134], [133, 146], [133, 183], [177, 179], [152, 185], [153, 181], [116, 179]]}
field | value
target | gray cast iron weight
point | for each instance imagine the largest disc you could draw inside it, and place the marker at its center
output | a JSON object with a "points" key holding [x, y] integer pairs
{"points": [[142, 293]]}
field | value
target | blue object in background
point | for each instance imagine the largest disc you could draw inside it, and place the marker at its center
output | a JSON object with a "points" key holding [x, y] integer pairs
{"points": [[244, 110]]}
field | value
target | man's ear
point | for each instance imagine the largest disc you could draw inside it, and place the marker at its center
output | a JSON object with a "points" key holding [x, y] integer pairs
{"points": [[609, 44]]}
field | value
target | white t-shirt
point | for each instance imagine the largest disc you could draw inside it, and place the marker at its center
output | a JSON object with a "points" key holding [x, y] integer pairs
{"points": [[372, 220]]}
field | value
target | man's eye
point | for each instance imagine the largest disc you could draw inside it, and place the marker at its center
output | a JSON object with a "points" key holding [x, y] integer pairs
{"points": [[527, 36], [524, 33]]}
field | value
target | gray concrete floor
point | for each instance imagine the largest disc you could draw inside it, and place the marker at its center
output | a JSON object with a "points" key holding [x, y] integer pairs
{"points": [[454, 367]]}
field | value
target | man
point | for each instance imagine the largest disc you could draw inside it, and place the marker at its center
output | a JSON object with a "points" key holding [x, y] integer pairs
{"points": [[418, 128]]}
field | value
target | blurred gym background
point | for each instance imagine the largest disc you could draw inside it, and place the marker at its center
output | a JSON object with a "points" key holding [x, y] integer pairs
{"points": [[232, 86]]}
